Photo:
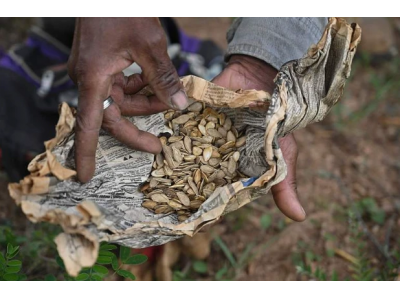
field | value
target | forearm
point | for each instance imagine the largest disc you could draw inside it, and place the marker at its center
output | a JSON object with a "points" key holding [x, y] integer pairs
{"points": [[274, 40]]}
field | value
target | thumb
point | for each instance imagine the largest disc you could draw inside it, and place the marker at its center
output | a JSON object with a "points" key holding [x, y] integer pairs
{"points": [[161, 75], [285, 192]]}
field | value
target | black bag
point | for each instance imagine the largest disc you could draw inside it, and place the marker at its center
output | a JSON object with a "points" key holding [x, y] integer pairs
{"points": [[33, 82]]}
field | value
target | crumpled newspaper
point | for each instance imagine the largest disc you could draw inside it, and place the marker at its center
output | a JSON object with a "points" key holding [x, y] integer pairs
{"points": [[108, 208]]}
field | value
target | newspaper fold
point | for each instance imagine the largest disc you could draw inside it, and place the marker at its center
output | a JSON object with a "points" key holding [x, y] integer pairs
{"points": [[108, 208]]}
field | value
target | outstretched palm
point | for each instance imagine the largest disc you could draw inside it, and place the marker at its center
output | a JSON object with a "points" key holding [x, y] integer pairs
{"points": [[245, 72]]}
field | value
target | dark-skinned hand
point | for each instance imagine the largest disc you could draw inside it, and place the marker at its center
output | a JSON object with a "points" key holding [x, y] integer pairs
{"points": [[245, 72], [102, 49]]}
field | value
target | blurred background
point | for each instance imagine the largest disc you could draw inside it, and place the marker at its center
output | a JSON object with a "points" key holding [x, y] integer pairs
{"points": [[348, 181]]}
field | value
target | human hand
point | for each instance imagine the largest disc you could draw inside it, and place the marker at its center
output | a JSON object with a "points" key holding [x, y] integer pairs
{"points": [[246, 72], [102, 48]]}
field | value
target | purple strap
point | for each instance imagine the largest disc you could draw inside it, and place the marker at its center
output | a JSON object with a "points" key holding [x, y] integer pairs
{"points": [[46, 49], [7, 62], [188, 44]]}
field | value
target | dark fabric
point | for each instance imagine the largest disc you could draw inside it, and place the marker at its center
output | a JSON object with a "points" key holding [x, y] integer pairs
{"points": [[24, 127], [27, 119], [61, 28]]}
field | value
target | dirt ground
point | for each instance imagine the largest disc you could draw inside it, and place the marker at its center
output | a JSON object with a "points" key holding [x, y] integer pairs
{"points": [[346, 162]]}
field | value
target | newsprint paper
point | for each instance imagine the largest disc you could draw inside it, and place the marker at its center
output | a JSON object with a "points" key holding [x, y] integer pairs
{"points": [[108, 208]]}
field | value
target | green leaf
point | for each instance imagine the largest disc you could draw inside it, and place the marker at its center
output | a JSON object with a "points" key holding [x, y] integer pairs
{"points": [[10, 248], [108, 247], [265, 221], [50, 277], [14, 263], [124, 253], [82, 277], [178, 276], [12, 270], [10, 237], [2, 259], [136, 259], [318, 273], [310, 255], [11, 277], [308, 269], [226, 251], [105, 253], [15, 249], [323, 277], [126, 274], [281, 224], [11, 255], [104, 260], [100, 270], [200, 267], [22, 277], [221, 272], [378, 216], [334, 276], [86, 270], [369, 204], [114, 263], [96, 277]]}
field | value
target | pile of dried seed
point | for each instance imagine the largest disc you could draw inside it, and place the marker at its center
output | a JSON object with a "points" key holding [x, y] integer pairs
{"points": [[200, 156]]}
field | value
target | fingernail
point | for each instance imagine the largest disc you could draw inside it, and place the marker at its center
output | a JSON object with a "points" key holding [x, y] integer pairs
{"points": [[179, 100], [304, 212]]}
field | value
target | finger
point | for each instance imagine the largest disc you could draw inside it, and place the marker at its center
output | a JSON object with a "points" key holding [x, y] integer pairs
{"points": [[140, 105], [160, 73], [134, 84], [131, 104], [88, 122], [129, 134], [285, 192], [128, 84]]}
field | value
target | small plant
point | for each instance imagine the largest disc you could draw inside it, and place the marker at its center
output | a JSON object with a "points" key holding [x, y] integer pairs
{"points": [[9, 267], [362, 270], [228, 271], [368, 207], [35, 247], [190, 271], [106, 258], [303, 258], [235, 266], [221, 273], [319, 274], [200, 266], [265, 221], [41, 246]]}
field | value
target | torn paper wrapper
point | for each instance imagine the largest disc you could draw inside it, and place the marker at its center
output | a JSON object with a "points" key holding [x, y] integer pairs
{"points": [[108, 208]]}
